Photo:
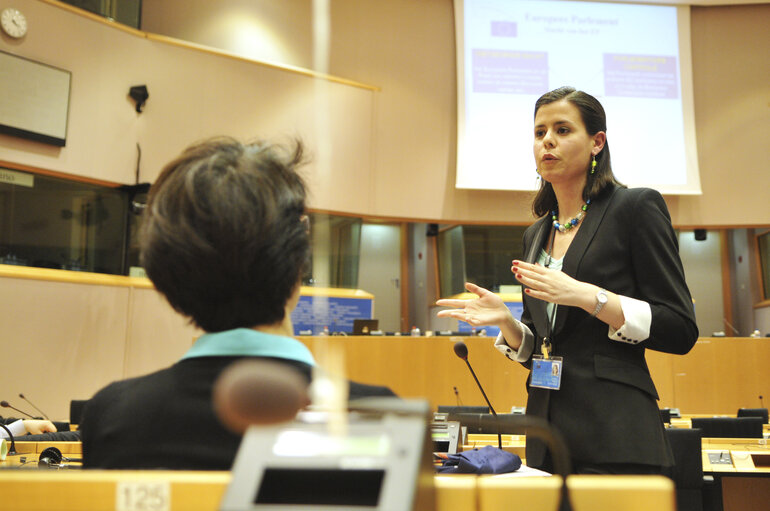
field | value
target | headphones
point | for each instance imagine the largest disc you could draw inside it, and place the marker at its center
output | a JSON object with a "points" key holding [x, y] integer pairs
{"points": [[51, 457]]}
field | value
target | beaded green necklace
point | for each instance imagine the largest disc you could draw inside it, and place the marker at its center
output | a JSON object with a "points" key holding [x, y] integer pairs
{"points": [[572, 222]]}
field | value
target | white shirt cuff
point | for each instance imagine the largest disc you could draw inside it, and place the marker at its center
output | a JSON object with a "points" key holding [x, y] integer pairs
{"points": [[17, 429], [524, 351], [638, 317]]}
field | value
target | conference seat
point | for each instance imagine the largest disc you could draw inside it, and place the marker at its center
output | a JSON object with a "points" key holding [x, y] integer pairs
{"points": [[687, 472], [729, 427], [76, 410], [754, 412]]}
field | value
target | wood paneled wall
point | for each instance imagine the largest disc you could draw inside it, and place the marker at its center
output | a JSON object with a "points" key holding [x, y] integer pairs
{"points": [[64, 335], [718, 376]]}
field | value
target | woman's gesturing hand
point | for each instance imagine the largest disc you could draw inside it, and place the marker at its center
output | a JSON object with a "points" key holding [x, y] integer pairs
{"points": [[550, 285], [487, 309]]}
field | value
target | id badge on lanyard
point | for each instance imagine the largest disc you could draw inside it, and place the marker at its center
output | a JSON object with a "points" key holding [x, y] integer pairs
{"points": [[546, 370]]}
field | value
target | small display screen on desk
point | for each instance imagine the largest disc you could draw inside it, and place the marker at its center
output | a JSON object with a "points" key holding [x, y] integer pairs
{"points": [[320, 487], [440, 445]]}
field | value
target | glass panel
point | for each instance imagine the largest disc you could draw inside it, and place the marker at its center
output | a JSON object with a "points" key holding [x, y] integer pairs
{"points": [[336, 244], [481, 254], [55, 223], [137, 202], [451, 261], [763, 241], [127, 12], [489, 250]]}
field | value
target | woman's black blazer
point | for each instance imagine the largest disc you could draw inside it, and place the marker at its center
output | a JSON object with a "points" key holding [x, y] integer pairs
{"points": [[607, 406]]}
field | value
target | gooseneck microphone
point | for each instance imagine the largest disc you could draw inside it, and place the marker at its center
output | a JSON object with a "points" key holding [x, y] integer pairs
{"points": [[33, 406], [6, 404], [461, 350], [761, 404], [457, 396], [12, 449]]}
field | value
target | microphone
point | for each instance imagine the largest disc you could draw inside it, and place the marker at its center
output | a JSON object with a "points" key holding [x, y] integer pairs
{"points": [[6, 404], [258, 392], [33, 406], [461, 350], [761, 404], [12, 449]]}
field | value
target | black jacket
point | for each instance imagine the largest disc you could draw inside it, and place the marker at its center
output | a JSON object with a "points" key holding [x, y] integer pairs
{"points": [[165, 420], [607, 404]]}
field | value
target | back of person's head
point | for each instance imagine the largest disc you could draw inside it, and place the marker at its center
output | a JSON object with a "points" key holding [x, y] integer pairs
{"points": [[224, 236], [595, 120]]}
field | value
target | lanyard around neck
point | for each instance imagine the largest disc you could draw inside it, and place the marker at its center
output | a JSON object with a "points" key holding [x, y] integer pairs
{"points": [[549, 319]]}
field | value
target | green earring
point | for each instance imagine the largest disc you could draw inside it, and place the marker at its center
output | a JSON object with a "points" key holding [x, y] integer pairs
{"points": [[593, 164]]}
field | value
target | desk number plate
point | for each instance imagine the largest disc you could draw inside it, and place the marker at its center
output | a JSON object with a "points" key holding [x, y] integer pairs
{"points": [[143, 496]]}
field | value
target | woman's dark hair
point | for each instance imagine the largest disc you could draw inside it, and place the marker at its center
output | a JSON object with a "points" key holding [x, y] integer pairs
{"points": [[595, 120], [223, 236]]}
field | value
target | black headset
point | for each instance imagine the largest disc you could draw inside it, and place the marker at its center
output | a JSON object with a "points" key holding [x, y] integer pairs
{"points": [[51, 457]]}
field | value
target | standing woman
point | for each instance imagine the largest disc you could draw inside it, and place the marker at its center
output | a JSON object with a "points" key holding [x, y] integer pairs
{"points": [[602, 283]]}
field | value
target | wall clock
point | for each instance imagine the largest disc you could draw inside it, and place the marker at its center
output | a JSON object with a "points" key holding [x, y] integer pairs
{"points": [[13, 22]]}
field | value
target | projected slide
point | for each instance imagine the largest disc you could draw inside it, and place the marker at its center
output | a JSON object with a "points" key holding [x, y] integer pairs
{"points": [[631, 57]]}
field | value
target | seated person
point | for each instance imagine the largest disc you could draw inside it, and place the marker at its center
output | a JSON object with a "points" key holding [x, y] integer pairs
{"points": [[225, 239], [21, 427]]}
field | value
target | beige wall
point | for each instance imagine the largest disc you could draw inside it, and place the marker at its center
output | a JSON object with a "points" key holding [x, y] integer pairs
{"points": [[702, 269], [731, 76], [278, 32], [392, 151], [193, 94], [408, 49], [65, 340]]}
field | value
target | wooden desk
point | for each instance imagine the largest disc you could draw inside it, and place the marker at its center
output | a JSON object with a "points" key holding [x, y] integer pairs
{"points": [[731, 455], [29, 452], [741, 470], [742, 483], [456, 492], [594, 493], [102, 490], [587, 493], [427, 368], [719, 375], [713, 378], [97, 490], [66, 448]]}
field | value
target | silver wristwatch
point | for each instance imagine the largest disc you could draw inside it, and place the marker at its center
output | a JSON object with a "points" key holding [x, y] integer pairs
{"points": [[601, 299]]}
